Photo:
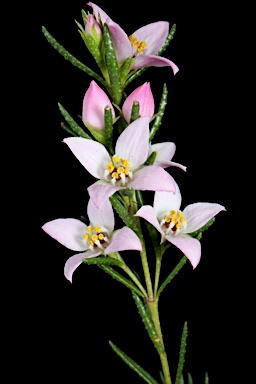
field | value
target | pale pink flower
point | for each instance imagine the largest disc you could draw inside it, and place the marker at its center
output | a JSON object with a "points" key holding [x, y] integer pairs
{"points": [[143, 95], [164, 154], [91, 23]]}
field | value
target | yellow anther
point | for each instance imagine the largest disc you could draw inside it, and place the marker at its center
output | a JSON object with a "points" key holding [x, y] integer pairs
{"points": [[125, 162], [182, 219], [90, 242], [115, 158], [115, 175], [175, 219], [94, 238], [172, 212], [86, 236], [98, 228], [141, 46], [179, 213], [89, 229], [110, 167], [178, 226], [132, 37], [120, 170], [127, 171], [167, 219], [101, 236]]}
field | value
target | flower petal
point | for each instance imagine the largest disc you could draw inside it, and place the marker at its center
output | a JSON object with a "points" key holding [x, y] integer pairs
{"points": [[98, 11], [104, 217], [74, 261], [121, 42], [154, 35], [68, 232], [198, 214], [143, 95], [132, 144], [166, 201], [165, 152], [152, 178], [91, 154], [94, 103], [189, 246], [122, 240], [148, 213], [100, 191], [153, 61]]}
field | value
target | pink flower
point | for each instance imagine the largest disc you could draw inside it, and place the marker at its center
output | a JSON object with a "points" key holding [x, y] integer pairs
{"points": [[94, 103], [123, 170], [96, 239], [165, 152], [143, 95], [175, 225], [93, 28], [142, 45]]}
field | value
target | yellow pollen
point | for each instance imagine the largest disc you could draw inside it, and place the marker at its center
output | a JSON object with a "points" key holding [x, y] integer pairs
{"points": [[124, 162], [126, 171], [98, 228], [182, 219], [167, 219], [90, 242], [120, 170], [111, 167], [179, 213], [86, 236], [89, 229], [100, 236], [115, 175], [141, 46], [172, 212], [178, 225], [174, 219], [115, 158], [94, 238]]}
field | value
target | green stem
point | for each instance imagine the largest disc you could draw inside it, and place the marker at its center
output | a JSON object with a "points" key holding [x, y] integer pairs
{"points": [[144, 261], [153, 307], [157, 274]]}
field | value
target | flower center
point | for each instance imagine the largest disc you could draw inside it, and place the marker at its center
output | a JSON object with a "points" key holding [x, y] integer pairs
{"points": [[96, 237], [140, 45], [118, 171], [173, 222]]}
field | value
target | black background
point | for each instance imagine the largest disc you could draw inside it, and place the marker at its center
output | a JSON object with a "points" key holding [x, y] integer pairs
{"points": [[75, 322]]}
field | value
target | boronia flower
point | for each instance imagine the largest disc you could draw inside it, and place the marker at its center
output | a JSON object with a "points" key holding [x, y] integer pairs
{"points": [[175, 225], [143, 95], [142, 45], [164, 154], [97, 238], [93, 28], [94, 103], [125, 168]]}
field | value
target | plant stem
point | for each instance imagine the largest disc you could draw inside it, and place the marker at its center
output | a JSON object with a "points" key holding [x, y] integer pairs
{"points": [[144, 261], [157, 274], [127, 270], [153, 307]]}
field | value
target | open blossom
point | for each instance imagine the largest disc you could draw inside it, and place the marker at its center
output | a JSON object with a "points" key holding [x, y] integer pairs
{"points": [[143, 95], [94, 103], [97, 238], [164, 154], [175, 225], [125, 168], [142, 45]]}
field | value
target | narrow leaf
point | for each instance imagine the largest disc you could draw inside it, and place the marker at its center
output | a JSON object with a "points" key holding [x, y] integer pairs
{"points": [[74, 126], [139, 198], [183, 344], [146, 318], [135, 111], [162, 377], [71, 58], [115, 275], [168, 40], [204, 228], [160, 114], [112, 66], [151, 159], [103, 261], [68, 129], [134, 75], [125, 69], [206, 380], [134, 366], [190, 380], [108, 122], [172, 274]]}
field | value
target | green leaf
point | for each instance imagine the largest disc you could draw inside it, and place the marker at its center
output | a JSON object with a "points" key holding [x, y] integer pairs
{"points": [[146, 318], [98, 134], [162, 377], [190, 380], [125, 216], [108, 122], [160, 114], [204, 228], [135, 114], [134, 366], [172, 274], [71, 58], [117, 276], [168, 40], [135, 74], [139, 198], [78, 131], [181, 362], [151, 159], [68, 129], [84, 16], [103, 261], [181, 380], [112, 66], [206, 380], [125, 69]]}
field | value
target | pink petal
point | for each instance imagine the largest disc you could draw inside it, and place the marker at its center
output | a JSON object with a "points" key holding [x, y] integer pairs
{"points": [[132, 144], [165, 152], [100, 191], [98, 11], [153, 61], [152, 178], [189, 246], [121, 42], [68, 232], [198, 214], [148, 213], [143, 95], [166, 201], [91, 154], [122, 240], [154, 35], [104, 217], [94, 103], [74, 261]]}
